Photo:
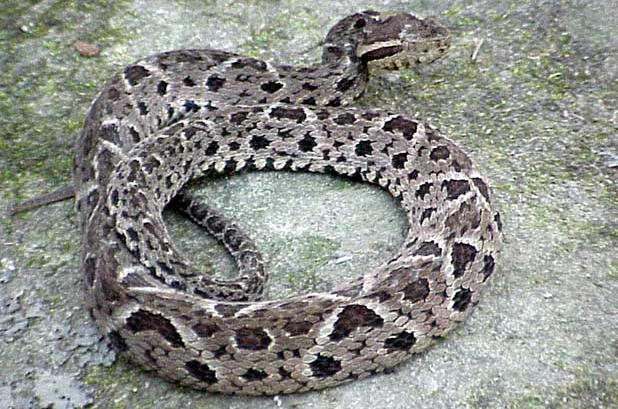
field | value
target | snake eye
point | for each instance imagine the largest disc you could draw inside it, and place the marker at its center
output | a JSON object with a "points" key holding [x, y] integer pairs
{"points": [[360, 23]]}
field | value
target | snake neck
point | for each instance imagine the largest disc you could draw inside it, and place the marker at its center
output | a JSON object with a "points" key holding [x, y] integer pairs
{"points": [[347, 73]]}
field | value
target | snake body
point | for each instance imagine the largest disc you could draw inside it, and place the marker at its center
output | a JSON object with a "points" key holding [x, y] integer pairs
{"points": [[179, 115]]}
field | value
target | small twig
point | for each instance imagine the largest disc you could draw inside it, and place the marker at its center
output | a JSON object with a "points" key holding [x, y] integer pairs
{"points": [[59, 195], [475, 53]]}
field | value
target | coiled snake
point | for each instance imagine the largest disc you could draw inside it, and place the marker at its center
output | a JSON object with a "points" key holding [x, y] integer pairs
{"points": [[182, 114]]}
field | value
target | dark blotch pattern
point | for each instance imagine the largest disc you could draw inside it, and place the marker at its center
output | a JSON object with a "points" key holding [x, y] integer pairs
{"points": [[135, 73], [113, 94], [455, 188], [429, 248], [416, 291], [401, 124], [259, 142], [363, 148], [309, 101], [117, 341], [233, 238], [205, 330], [190, 56], [109, 132], [297, 114], [400, 342], [353, 317], [284, 374], [190, 131], [222, 350], [228, 310], [482, 187], [143, 108], [399, 160], [297, 328], [462, 299], [271, 86], [238, 117], [253, 339], [251, 63], [462, 255], [381, 296], [201, 372], [142, 320], [254, 375], [215, 224], [309, 87], [212, 148], [215, 82], [426, 215], [307, 143], [370, 115], [132, 234], [441, 152], [423, 190], [498, 221], [489, 267], [134, 135], [230, 166], [191, 106], [336, 52], [345, 84], [345, 119], [162, 88], [335, 102], [325, 366]]}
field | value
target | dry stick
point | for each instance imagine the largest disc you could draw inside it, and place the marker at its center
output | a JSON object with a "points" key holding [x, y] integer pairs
{"points": [[476, 49], [64, 193]]}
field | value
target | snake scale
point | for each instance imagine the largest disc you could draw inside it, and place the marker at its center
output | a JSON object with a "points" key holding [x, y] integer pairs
{"points": [[179, 115]]}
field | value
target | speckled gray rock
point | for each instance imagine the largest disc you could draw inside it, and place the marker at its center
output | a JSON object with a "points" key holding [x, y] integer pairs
{"points": [[538, 109]]}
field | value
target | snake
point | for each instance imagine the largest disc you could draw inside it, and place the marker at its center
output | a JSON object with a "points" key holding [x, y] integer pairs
{"points": [[180, 115]]}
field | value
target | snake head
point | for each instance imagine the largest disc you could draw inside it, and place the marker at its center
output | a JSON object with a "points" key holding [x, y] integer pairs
{"points": [[394, 41]]}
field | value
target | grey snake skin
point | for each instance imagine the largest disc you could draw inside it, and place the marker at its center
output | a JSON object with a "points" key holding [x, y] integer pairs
{"points": [[180, 115]]}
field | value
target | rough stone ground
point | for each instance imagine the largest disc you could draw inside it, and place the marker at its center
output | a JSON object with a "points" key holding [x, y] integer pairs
{"points": [[537, 109]]}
